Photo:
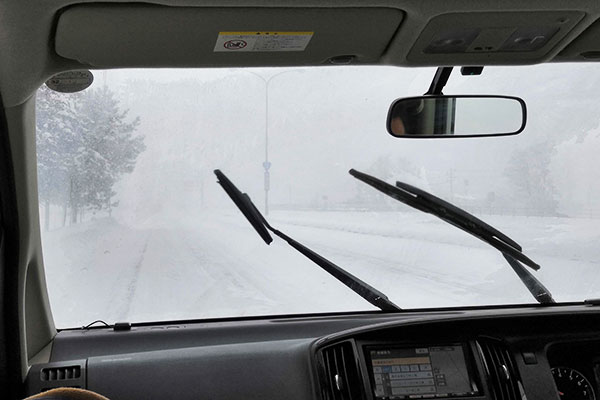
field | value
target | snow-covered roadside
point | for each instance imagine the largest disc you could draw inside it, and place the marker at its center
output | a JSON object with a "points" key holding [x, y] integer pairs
{"points": [[104, 270], [215, 265], [90, 268]]}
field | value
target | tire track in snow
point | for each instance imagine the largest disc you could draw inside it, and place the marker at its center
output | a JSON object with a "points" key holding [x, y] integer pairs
{"points": [[226, 269], [366, 232], [396, 267], [132, 286], [407, 273], [189, 274], [359, 262]]}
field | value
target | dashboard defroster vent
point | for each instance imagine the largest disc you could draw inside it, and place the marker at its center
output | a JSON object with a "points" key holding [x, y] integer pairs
{"points": [[341, 376], [502, 374]]}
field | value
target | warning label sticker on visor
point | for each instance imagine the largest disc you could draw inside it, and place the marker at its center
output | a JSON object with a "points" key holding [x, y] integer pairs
{"points": [[262, 41]]}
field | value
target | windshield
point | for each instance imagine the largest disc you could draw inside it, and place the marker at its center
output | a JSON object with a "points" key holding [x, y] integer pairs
{"points": [[135, 227]]}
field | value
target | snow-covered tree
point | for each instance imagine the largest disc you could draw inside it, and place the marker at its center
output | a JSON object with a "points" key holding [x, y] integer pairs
{"points": [[85, 143], [108, 149], [55, 126], [529, 174]]}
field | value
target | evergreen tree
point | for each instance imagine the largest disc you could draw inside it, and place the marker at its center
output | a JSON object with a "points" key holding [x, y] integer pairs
{"points": [[55, 126], [85, 143], [529, 173]]}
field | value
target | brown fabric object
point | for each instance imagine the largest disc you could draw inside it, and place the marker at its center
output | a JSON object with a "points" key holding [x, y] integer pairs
{"points": [[68, 393]]}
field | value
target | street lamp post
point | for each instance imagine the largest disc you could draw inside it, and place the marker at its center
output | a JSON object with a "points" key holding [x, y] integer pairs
{"points": [[267, 164]]}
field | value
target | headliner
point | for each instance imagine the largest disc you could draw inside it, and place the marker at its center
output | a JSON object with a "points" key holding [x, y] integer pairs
{"points": [[41, 38]]}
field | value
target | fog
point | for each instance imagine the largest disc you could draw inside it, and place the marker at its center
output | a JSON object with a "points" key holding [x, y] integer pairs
{"points": [[325, 121], [173, 229]]}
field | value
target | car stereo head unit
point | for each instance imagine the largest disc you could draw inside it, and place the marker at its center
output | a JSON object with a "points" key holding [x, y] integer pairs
{"points": [[420, 372]]}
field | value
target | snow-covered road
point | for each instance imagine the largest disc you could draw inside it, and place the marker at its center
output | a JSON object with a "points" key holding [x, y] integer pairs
{"points": [[218, 266]]}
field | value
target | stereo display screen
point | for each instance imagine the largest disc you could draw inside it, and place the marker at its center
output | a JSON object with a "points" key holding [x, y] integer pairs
{"points": [[421, 373]]}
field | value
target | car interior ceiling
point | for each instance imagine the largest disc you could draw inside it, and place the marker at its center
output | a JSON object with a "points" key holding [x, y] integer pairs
{"points": [[289, 356]]}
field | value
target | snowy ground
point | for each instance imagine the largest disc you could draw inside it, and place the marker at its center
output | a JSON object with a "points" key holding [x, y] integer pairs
{"points": [[214, 265]]}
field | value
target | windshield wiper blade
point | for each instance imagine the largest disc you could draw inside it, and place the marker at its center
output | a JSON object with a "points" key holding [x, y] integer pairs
{"points": [[260, 224], [428, 203]]}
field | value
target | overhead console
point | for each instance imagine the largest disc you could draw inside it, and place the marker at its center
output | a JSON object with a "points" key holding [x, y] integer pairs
{"points": [[470, 38], [585, 47]]}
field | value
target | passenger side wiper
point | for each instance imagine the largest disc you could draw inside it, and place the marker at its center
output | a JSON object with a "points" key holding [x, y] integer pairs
{"points": [[428, 203], [262, 227]]}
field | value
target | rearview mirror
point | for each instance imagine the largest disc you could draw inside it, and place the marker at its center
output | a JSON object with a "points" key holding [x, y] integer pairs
{"points": [[456, 116]]}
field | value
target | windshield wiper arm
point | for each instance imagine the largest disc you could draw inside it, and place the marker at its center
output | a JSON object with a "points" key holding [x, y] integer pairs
{"points": [[260, 224], [428, 203], [535, 287]]}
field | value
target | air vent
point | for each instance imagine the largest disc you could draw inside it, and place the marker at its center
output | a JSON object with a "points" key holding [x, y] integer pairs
{"points": [[341, 377], [503, 377], [61, 373], [42, 377]]}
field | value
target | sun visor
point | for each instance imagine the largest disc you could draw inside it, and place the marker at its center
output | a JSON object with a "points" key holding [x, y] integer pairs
{"points": [[110, 35], [586, 47], [493, 37]]}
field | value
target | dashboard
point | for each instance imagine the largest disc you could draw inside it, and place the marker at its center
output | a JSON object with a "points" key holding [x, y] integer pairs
{"points": [[518, 353]]}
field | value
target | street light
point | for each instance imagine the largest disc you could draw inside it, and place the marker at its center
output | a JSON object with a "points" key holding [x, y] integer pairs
{"points": [[266, 164]]}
